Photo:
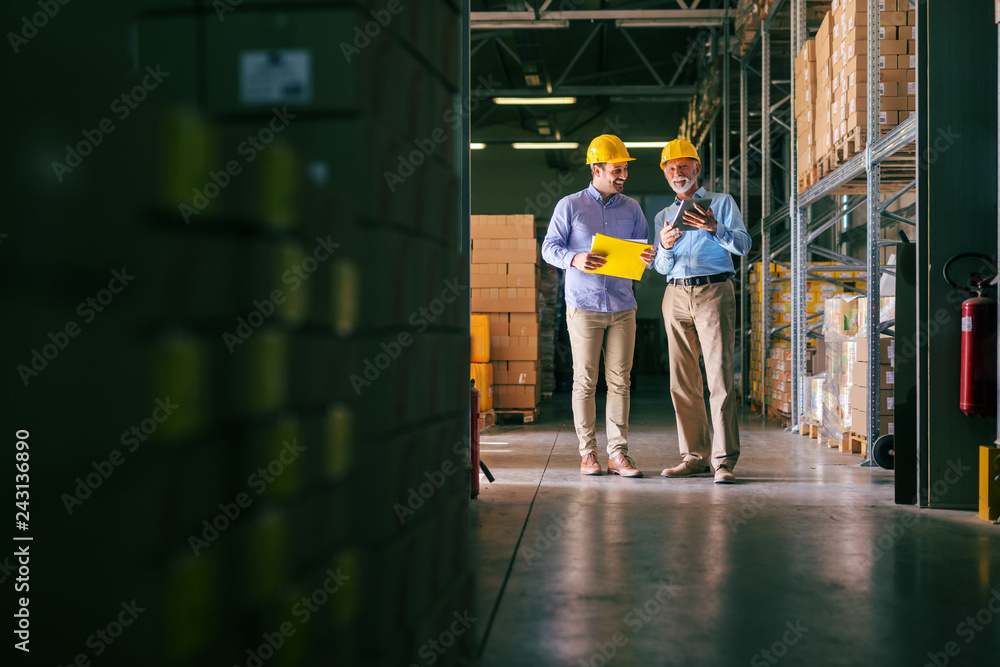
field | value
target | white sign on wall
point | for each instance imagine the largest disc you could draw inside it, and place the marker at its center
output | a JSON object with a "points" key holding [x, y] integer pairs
{"points": [[279, 76]]}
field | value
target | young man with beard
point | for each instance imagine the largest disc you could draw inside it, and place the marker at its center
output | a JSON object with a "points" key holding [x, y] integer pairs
{"points": [[699, 313], [600, 310]]}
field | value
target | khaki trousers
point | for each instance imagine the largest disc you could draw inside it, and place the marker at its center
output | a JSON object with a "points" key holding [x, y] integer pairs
{"points": [[590, 332], [702, 321]]}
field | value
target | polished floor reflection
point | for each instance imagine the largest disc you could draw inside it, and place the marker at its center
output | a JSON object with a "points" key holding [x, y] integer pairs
{"points": [[805, 561]]}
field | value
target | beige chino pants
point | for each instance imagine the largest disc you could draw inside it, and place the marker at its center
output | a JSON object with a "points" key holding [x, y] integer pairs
{"points": [[590, 332], [702, 321]]}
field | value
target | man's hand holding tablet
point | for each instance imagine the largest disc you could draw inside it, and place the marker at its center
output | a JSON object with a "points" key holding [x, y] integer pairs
{"points": [[691, 214]]}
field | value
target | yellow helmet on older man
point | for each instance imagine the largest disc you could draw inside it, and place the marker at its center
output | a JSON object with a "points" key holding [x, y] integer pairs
{"points": [[607, 148], [678, 148]]}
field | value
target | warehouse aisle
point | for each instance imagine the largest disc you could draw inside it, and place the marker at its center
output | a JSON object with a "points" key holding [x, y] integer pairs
{"points": [[806, 561]]}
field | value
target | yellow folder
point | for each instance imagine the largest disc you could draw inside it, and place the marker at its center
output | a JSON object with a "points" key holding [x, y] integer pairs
{"points": [[624, 257]]}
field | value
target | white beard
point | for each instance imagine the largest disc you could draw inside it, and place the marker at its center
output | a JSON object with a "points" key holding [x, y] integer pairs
{"points": [[681, 185]]}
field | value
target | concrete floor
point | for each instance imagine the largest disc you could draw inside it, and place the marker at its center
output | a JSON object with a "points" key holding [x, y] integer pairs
{"points": [[805, 561]]}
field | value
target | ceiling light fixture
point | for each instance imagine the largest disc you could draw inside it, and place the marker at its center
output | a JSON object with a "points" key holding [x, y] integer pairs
{"points": [[517, 24], [548, 145], [645, 144], [534, 100], [477, 146]]}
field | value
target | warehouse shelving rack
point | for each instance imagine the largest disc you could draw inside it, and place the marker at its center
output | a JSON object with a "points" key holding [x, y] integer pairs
{"points": [[797, 210]]}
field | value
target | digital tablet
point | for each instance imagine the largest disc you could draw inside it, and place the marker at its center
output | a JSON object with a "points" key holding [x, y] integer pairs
{"points": [[704, 203]]}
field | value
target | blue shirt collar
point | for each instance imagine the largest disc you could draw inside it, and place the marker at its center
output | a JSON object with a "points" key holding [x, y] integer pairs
{"points": [[598, 196], [698, 194]]}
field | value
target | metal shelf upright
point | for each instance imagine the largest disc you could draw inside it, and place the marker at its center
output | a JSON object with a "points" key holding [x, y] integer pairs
{"points": [[803, 230], [877, 149]]}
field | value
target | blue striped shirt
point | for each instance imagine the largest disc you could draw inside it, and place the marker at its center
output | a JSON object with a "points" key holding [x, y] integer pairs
{"points": [[698, 252], [574, 222]]}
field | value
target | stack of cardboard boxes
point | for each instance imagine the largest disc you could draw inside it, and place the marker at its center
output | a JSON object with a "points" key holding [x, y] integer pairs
{"points": [[835, 89], [849, 61], [840, 326], [780, 306], [747, 22], [779, 377], [805, 111], [504, 283], [859, 384]]}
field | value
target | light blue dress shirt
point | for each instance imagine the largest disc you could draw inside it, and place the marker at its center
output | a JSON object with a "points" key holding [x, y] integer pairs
{"points": [[698, 252], [574, 222]]}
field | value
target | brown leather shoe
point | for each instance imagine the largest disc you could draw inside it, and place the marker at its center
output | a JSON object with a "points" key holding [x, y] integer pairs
{"points": [[590, 466], [723, 475], [623, 465], [686, 469]]}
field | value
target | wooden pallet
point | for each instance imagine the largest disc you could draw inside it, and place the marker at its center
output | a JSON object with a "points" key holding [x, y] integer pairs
{"points": [[516, 416], [487, 418], [859, 444], [779, 417], [849, 145], [808, 178], [808, 429], [835, 442], [898, 170]]}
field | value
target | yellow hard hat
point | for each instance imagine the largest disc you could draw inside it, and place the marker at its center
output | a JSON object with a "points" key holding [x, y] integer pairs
{"points": [[678, 148], [607, 148]]}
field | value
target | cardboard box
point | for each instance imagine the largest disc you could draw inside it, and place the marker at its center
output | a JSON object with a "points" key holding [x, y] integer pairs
{"points": [[524, 329], [504, 300], [502, 226], [498, 323], [503, 348], [479, 280], [989, 472], [887, 346], [894, 103], [522, 280], [886, 425], [516, 395], [515, 372], [888, 88], [887, 377], [484, 252], [859, 422]]}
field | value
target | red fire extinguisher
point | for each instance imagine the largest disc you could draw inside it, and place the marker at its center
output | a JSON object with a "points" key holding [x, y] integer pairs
{"points": [[978, 388], [474, 440]]}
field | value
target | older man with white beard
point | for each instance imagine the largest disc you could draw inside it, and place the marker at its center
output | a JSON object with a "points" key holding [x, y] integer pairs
{"points": [[699, 313]]}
